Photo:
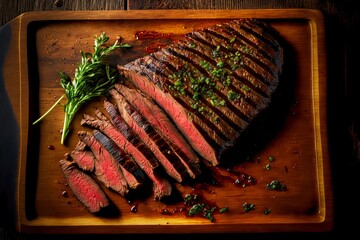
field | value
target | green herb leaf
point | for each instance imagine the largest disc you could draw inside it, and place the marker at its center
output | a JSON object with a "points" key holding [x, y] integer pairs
{"points": [[125, 45], [224, 209], [267, 167], [267, 211], [196, 209], [248, 206], [276, 185]]}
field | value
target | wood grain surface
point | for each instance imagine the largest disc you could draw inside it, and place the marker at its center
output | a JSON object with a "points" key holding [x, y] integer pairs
{"points": [[342, 24]]}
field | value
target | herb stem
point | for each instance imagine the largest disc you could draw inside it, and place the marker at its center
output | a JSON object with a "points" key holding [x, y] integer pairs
{"points": [[50, 109], [65, 130], [70, 109]]}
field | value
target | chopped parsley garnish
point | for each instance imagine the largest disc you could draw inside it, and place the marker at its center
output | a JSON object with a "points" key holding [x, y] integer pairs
{"points": [[204, 80], [248, 207], [245, 88], [276, 185], [192, 45], [267, 167], [209, 213], [191, 199], [233, 95], [267, 211], [196, 209], [198, 206], [224, 209]]}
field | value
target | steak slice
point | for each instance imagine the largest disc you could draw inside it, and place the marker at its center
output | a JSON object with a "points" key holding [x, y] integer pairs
{"points": [[161, 187], [107, 170], [171, 162], [84, 187], [132, 172], [137, 149], [84, 158], [159, 120], [213, 82]]}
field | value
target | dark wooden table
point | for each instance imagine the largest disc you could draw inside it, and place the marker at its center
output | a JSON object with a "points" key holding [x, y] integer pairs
{"points": [[342, 30]]}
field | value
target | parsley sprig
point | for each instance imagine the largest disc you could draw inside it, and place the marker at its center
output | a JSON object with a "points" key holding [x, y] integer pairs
{"points": [[93, 77]]}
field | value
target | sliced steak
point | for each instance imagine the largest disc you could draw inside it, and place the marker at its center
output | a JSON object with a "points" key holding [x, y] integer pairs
{"points": [[159, 120], [83, 157], [161, 187], [84, 187], [213, 82], [186, 121], [132, 172], [138, 151], [107, 170], [172, 163], [120, 125]]}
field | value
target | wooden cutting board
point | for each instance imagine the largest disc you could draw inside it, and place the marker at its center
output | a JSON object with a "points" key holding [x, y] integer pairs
{"points": [[42, 44]]}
